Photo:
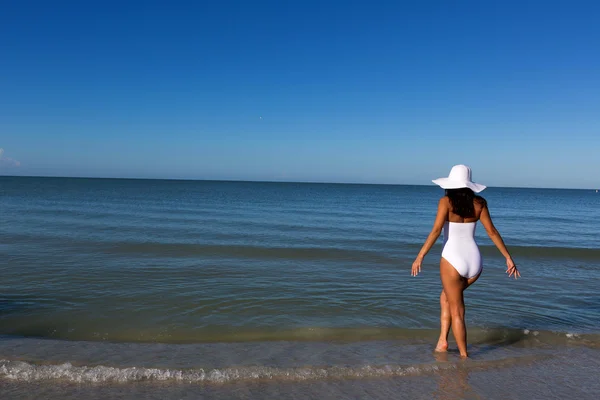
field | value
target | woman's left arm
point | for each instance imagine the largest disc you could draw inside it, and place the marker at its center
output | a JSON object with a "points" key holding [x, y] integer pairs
{"points": [[438, 225]]}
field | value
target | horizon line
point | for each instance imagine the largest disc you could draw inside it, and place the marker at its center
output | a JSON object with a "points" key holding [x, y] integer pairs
{"points": [[273, 181]]}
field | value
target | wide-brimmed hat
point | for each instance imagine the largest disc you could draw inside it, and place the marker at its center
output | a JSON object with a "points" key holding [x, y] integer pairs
{"points": [[459, 177]]}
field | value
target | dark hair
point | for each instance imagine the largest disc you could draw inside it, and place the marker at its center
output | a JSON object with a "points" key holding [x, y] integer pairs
{"points": [[462, 201]]}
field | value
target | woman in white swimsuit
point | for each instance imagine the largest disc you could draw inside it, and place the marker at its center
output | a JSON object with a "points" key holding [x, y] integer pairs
{"points": [[460, 265]]}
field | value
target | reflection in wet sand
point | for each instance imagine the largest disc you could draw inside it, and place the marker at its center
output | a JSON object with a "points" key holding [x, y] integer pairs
{"points": [[453, 383]]}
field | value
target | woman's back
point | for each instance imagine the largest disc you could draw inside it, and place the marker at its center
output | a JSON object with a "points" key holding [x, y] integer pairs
{"points": [[461, 214], [459, 230]]}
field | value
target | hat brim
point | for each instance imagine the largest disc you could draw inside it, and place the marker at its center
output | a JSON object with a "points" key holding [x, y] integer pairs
{"points": [[446, 183]]}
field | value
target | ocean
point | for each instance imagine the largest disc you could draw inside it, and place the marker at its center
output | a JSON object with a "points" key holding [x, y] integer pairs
{"points": [[116, 288]]}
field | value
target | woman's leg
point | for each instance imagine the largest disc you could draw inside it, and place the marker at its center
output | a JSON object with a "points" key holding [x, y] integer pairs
{"points": [[445, 323], [446, 315], [454, 285]]}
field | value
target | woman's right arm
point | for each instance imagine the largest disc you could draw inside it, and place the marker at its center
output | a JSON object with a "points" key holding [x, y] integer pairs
{"points": [[493, 233]]}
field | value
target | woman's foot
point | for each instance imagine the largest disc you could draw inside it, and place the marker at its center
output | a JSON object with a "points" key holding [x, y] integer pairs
{"points": [[442, 346]]}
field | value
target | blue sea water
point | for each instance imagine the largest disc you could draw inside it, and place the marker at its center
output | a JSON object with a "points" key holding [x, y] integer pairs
{"points": [[103, 262]]}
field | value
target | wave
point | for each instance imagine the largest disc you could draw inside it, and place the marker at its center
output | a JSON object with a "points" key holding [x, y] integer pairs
{"points": [[384, 250], [248, 251], [28, 372], [477, 335], [330, 253]]}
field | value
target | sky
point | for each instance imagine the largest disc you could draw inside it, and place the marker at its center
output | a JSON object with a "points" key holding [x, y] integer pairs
{"points": [[391, 92]]}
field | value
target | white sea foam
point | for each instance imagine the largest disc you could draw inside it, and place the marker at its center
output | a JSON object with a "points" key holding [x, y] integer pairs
{"points": [[29, 372], [23, 371]]}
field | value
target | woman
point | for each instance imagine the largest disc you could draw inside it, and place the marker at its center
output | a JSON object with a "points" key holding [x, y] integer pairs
{"points": [[460, 265]]}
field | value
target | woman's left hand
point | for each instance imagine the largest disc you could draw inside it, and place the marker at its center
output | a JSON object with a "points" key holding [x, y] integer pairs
{"points": [[416, 267]]}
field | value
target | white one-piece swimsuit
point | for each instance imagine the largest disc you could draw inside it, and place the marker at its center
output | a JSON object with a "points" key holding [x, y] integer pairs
{"points": [[460, 248]]}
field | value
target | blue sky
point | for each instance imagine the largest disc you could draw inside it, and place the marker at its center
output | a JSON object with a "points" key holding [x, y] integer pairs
{"points": [[370, 91]]}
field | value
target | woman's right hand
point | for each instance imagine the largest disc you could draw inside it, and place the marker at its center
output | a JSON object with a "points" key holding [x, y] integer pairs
{"points": [[416, 267], [511, 268]]}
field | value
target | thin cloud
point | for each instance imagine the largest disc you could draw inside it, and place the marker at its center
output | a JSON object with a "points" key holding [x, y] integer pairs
{"points": [[7, 160]]}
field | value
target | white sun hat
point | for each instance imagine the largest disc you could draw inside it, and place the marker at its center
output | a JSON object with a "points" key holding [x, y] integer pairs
{"points": [[459, 177]]}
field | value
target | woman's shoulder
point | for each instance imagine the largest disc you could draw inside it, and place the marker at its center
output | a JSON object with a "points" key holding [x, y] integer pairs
{"points": [[444, 200], [445, 203], [480, 200]]}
